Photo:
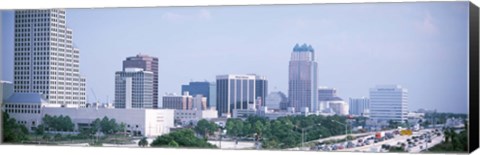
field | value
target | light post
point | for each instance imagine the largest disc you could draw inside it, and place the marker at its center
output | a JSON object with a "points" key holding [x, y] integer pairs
{"points": [[303, 132], [346, 127], [222, 131]]}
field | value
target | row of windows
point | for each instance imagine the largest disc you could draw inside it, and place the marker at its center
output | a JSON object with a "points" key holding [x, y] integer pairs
{"points": [[22, 44], [22, 111], [21, 106], [22, 49]]}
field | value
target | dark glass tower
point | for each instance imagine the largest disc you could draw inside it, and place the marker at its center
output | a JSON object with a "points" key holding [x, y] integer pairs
{"points": [[206, 89]]}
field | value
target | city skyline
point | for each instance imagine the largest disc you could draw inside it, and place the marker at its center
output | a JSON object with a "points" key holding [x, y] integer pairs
{"points": [[385, 55]]}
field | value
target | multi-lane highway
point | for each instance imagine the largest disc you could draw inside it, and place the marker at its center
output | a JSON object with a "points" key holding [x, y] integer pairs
{"points": [[417, 144]]}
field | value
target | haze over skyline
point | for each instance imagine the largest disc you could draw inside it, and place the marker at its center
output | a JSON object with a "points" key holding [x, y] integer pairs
{"points": [[421, 46]]}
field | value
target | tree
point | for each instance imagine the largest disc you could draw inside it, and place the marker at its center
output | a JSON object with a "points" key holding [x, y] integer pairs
{"points": [[12, 131], [173, 143], [58, 123], [143, 142], [181, 138], [205, 127]]}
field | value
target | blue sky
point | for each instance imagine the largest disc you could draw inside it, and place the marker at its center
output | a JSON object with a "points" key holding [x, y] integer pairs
{"points": [[421, 46]]}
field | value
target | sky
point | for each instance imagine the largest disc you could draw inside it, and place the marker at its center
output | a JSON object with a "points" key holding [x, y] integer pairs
{"points": [[421, 46]]}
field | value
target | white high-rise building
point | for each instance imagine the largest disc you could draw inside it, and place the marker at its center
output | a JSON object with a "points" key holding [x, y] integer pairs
{"points": [[359, 106], [133, 88], [45, 59], [302, 79], [389, 102]]}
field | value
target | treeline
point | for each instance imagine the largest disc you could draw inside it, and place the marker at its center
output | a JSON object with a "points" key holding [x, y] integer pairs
{"points": [[180, 138], [12, 131], [55, 123], [285, 132]]}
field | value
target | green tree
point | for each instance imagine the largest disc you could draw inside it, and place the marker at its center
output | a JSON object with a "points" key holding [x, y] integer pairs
{"points": [[205, 127], [143, 142], [183, 137], [173, 143], [12, 131]]}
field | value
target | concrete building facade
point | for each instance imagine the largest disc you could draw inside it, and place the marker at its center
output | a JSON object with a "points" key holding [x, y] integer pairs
{"points": [[45, 58], [388, 102], [147, 63], [29, 109], [133, 88], [359, 106], [173, 101]]}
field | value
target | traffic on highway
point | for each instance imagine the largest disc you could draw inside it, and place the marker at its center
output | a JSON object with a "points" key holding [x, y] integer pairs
{"points": [[407, 140]]}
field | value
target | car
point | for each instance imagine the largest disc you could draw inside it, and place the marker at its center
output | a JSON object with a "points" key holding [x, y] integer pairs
{"points": [[429, 140], [334, 147], [360, 140]]}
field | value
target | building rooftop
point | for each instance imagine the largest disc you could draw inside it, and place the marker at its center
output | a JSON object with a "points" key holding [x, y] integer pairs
{"points": [[303, 48], [26, 98]]}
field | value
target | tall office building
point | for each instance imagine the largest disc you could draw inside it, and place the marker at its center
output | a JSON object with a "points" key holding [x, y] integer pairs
{"points": [[389, 102], [302, 81], [45, 59], [206, 89], [261, 89], [133, 88], [237, 92], [359, 106], [147, 63], [179, 102]]}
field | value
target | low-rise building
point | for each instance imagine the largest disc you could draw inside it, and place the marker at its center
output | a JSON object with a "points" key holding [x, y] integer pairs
{"points": [[29, 109], [186, 117], [179, 102]]}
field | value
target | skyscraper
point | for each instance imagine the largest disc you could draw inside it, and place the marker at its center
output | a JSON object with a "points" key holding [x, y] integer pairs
{"points": [[147, 63], [237, 92], [359, 106], [133, 88], [302, 81], [389, 102], [45, 58], [206, 89], [261, 89]]}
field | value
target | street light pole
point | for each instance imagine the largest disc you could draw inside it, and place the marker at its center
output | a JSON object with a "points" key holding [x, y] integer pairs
{"points": [[303, 132], [346, 127]]}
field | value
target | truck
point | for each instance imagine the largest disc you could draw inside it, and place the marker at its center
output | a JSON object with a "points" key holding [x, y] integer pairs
{"points": [[379, 135]]}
